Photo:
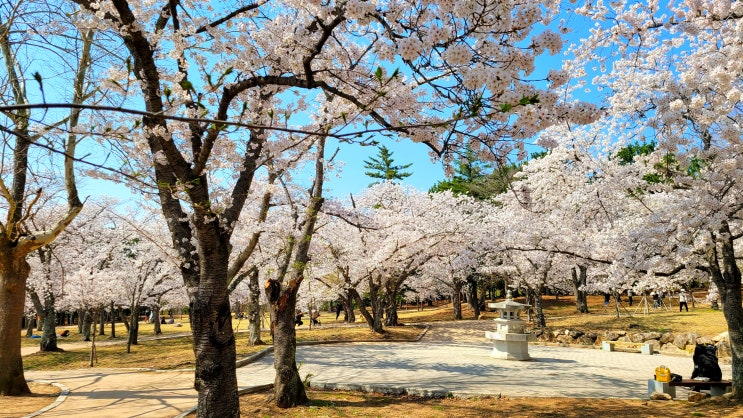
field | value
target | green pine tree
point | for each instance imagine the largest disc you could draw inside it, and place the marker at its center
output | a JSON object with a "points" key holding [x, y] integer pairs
{"points": [[382, 167]]}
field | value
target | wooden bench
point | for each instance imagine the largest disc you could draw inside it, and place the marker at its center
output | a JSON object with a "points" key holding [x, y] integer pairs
{"points": [[716, 388], [644, 348]]}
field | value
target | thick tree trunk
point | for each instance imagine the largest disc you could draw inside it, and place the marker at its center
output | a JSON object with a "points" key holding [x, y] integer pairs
{"points": [[30, 324], [727, 277], [80, 320], [472, 297], [536, 301], [214, 340], [373, 318], [87, 323], [349, 314], [289, 389], [579, 280], [254, 310], [102, 322], [13, 275], [390, 306], [132, 330], [157, 329], [457, 299], [49, 334]]}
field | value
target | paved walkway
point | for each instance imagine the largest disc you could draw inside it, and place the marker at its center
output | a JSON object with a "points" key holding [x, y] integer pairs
{"points": [[451, 358]]}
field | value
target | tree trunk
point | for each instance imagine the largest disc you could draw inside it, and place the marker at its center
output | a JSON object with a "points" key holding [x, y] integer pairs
{"points": [[157, 329], [133, 330], [349, 314], [579, 280], [13, 275], [30, 324], [373, 318], [49, 334], [289, 389], [87, 322], [80, 316], [390, 305], [457, 299], [473, 299], [536, 299], [93, 355], [113, 321], [254, 310], [102, 322], [728, 280], [214, 340]]}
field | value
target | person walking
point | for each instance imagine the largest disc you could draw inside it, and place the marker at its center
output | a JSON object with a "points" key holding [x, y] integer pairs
{"points": [[682, 301]]}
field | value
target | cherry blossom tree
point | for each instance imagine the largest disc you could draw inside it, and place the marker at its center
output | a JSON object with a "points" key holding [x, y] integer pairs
{"points": [[674, 73], [21, 134], [219, 91]]}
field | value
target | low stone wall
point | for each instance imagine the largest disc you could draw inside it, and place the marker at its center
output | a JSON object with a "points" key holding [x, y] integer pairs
{"points": [[667, 343]]}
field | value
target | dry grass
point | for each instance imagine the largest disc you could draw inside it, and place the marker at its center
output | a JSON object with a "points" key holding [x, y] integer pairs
{"points": [[333, 404], [177, 353]]}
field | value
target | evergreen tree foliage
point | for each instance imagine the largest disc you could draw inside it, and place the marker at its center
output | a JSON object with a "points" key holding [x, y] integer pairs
{"points": [[382, 167]]}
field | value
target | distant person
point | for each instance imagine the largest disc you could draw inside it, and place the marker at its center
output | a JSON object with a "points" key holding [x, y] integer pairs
{"points": [[315, 318], [298, 318], [629, 296], [682, 301], [656, 299], [162, 320], [606, 299], [65, 333]]}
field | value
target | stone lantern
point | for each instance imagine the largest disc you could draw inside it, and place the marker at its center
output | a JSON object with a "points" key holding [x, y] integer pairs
{"points": [[510, 341]]}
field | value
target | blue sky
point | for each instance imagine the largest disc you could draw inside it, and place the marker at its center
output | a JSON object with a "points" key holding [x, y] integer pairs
{"points": [[353, 180]]}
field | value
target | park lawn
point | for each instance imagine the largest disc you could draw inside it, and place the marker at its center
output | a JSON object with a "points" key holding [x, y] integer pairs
{"points": [[333, 404], [145, 330], [177, 353]]}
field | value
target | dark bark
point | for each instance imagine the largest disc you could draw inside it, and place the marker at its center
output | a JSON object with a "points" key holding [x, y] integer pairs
{"points": [[535, 299], [348, 312], [114, 314], [132, 330], [30, 324], [373, 318], [472, 297], [102, 322], [289, 389], [282, 295], [579, 279], [727, 276], [457, 299], [254, 309], [157, 330], [13, 274], [390, 304], [49, 333], [87, 323], [80, 316]]}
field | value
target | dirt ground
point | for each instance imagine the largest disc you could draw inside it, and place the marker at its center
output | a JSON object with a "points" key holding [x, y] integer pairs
{"points": [[334, 404], [18, 406]]}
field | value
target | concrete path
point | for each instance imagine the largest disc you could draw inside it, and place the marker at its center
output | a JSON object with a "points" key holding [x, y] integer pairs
{"points": [[451, 358], [466, 370], [115, 393]]}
